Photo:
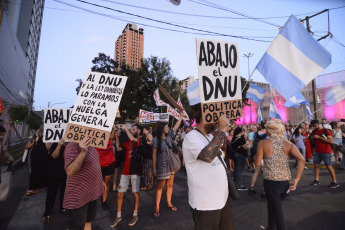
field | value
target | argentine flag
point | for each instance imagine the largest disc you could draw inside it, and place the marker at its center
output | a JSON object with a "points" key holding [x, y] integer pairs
{"points": [[309, 112], [293, 59], [296, 101], [259, 115], [335, 94], [255, 93], [274, 113], [193, 93]]}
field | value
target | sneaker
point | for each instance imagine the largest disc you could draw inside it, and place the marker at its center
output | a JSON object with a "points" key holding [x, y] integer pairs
{"points": [[333, 185], [242, 188], [116, 221], [133, 221], [305, 167], [315, 183], [252, 191], [262, 227]]}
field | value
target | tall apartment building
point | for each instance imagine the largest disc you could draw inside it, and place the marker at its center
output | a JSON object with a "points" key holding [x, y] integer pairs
{"points": [[20, 30], [129, 47], [186, 82]]}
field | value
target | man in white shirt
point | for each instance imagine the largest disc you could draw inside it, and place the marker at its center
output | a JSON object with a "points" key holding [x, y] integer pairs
{"points": [[206, 177]]}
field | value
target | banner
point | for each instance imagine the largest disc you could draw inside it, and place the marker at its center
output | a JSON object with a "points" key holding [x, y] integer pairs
{"points": [[55, 123], [146, 116], [173, 112], [95, 109], [158, 100], [219, 79]]}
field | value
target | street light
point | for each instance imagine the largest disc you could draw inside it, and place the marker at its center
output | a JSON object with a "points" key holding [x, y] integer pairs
{"points": [[249, 55], [55, 104]]}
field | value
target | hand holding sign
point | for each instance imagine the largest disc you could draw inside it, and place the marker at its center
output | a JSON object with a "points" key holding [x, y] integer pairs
{"points": [[84, 144], [223, 123], [61, 142]]}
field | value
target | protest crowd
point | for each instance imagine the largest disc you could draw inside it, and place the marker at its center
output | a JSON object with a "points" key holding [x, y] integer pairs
{"points": [[97, 156]]}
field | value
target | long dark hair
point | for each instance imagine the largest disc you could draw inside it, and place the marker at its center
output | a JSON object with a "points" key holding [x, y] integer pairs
{"points": [[237, 131], [296, 131], [160, 130]]}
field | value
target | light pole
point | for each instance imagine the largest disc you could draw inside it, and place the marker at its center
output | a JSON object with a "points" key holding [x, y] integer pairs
{"points": [[55, 104], [249, 55]]}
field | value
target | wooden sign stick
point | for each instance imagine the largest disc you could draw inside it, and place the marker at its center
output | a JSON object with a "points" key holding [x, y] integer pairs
{"points": [[172, 101]]}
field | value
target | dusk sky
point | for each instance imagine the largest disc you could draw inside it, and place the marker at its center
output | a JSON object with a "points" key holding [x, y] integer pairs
{"points": [[72, 37]]}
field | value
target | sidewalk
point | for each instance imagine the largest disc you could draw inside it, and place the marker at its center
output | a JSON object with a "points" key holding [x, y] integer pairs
{"points": [[309, 207]]}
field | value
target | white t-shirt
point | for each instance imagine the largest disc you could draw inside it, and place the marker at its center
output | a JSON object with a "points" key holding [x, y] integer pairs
{"points": [[207, 182]]}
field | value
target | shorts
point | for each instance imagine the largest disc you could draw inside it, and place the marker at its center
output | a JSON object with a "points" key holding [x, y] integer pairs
{"points": [[76, 218], [338, 141], [124, 183], [325, 157], [109, 170], [119, 160]]}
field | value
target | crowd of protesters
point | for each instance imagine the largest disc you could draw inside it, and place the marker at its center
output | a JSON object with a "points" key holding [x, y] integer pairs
{"points": [[139, 154]]}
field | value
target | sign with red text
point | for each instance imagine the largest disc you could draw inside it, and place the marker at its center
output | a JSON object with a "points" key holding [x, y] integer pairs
{"points": [[95, 110], [146, 116], [173, 112], [55, 123], [219, 79]]}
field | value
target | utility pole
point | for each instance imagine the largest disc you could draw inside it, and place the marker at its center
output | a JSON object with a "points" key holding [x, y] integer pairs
{"points": [[313, 84], [249, 55]]}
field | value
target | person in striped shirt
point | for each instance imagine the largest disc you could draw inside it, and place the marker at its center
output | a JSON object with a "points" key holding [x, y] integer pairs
{"points": [[84, 184]]}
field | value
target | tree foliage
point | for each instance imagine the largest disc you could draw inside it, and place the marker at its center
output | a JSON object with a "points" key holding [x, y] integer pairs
{"points": [[17, 112], [33, 122]]}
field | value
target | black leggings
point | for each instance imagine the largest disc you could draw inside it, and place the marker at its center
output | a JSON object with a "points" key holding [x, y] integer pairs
{"points": [[275, 193], [53, 188]]}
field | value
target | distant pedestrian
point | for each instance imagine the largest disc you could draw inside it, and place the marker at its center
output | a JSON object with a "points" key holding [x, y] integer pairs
{"points": [[84, 184], [148, 167], [275, 152]]}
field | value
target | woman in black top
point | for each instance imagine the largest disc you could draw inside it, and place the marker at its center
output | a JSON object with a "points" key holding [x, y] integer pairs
{"points": [[57, 177], [240, 146], [39, 162], [148, 173]]}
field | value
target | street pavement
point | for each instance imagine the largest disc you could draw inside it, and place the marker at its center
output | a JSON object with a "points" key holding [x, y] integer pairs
{"points": [[309, 207]]}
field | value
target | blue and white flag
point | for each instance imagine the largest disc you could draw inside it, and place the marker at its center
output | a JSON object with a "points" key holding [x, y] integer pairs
{"points": [[274, 113], [335, 94], [309, 112], [259, 115], [293, 59], [296, 101], [193, 93], [255, 93]]}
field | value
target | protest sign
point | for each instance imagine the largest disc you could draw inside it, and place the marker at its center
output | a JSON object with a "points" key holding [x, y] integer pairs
{"points": [[173, 112], [158, 100], [219, 79], [146, 116], [55, 123], [185, 116], [95, 109]]}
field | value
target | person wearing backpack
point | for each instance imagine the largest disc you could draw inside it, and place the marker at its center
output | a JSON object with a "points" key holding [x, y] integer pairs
{"points": [[322, 139]]}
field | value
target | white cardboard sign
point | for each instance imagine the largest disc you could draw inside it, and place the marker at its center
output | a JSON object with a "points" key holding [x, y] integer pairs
{"points": [[55, 123]]}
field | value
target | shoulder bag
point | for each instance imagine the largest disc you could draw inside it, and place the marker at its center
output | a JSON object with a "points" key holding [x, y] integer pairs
{"points": [[174, 160], [233, 191]]}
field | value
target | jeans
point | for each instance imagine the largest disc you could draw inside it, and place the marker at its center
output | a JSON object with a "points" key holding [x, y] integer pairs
{"points": [[302, 150], [240, 162], [275, 193]]}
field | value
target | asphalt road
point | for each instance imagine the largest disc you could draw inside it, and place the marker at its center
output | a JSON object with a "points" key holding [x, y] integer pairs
{"points": [[309, 207]]}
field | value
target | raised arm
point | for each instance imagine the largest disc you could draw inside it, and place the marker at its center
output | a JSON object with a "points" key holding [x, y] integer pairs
{"points": [[178, 123], [117, 142], [130, 136], [56, 152], [212, 149], [75, 166]]}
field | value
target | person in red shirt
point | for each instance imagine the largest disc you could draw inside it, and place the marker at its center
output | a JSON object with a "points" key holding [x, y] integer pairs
{"points": [[107, 162], [323, 152], [132, 169]]}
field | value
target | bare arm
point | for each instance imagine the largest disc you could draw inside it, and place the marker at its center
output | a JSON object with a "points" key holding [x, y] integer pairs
{"points": [[118, 147], [212, 149], [56, 152], [246, 146], [301, 163], [178, 123], [30, 144], [328, 140], [113, 131], [154, 161], [130, 136], [74, 167], [224, 145], [149, 138]]}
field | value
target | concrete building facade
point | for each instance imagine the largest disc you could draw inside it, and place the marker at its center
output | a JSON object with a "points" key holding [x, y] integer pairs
{"points": [[20, 30], [129, 46], [186, 82]]}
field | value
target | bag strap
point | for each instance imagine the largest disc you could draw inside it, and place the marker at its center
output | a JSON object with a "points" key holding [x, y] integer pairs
{"points": [[220, 159]]}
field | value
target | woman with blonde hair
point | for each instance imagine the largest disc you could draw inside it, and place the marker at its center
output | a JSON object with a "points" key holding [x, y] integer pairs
{"points": [[275, 153]]}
